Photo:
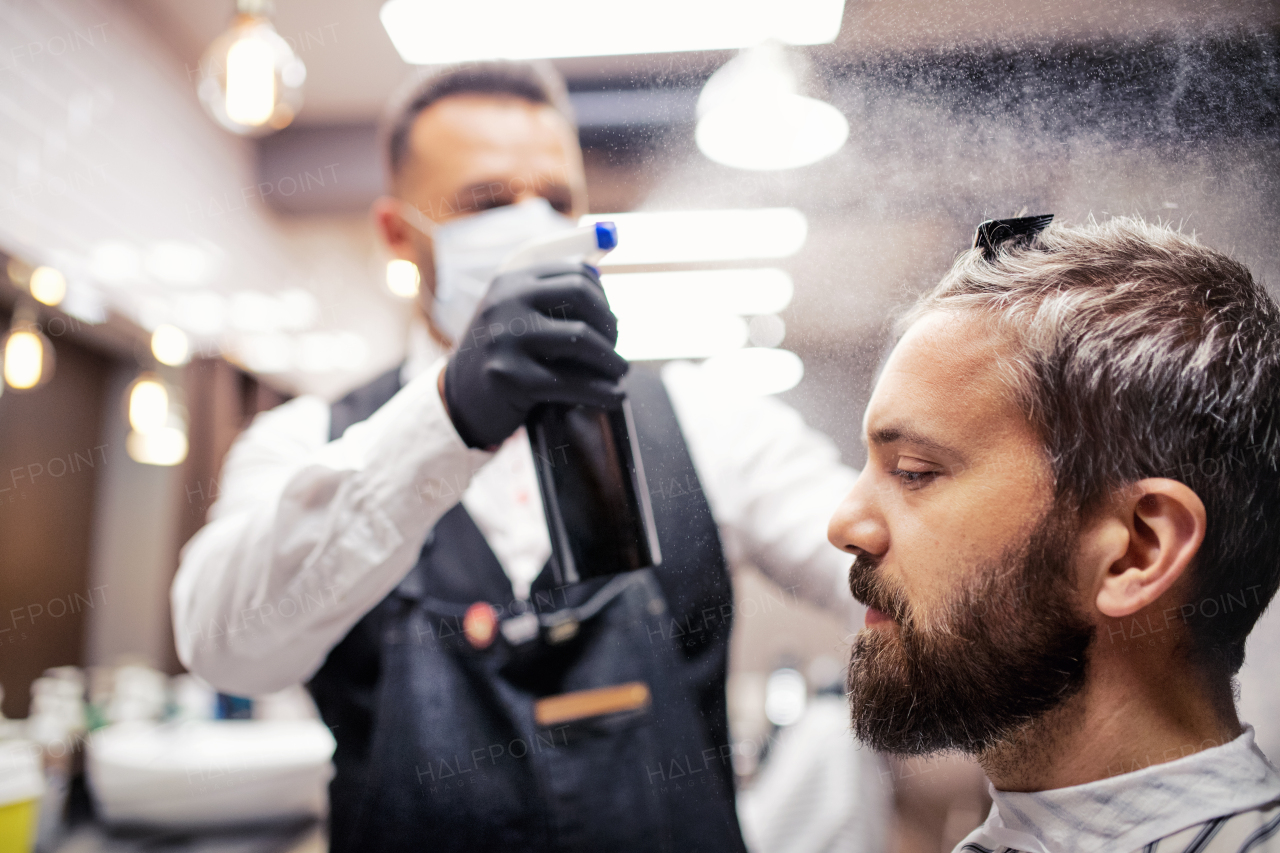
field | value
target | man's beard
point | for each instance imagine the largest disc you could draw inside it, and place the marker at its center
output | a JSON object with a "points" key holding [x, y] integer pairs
{"points": [[1009, 647]]}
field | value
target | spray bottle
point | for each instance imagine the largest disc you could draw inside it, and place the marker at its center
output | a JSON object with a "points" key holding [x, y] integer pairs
{"points": [[588, 460]]}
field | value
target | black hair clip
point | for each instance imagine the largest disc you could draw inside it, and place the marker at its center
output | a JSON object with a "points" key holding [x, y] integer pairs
{"points": [[993, 232]]}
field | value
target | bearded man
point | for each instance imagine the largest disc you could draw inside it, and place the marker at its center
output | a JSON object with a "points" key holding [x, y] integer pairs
{"points": [[1065, 531]]}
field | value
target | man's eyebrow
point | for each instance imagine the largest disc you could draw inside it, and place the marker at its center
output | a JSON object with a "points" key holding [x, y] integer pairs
{"points": [[905, 435], [480, 188]]}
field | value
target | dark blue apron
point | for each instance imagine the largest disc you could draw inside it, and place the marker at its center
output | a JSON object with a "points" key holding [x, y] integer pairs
{"points": [[444, 744]]}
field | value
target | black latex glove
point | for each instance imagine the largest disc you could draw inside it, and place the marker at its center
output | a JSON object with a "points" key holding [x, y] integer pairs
{"points": [[541, 335]]}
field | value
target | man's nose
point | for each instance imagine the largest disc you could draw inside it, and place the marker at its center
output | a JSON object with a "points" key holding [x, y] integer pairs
{"points": [[857, 525], [526, 193], [530, 186]]}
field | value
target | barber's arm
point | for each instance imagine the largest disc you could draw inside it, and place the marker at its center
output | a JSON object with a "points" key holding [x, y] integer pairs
{"points": [[772, 483], [309, 535]]}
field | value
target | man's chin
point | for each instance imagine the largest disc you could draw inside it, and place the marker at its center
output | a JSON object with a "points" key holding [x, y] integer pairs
{"points": [[958, 698], [882, 700]]}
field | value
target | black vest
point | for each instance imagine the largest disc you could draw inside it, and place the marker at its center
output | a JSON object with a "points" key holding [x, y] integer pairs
{"points": [[443, 746]]}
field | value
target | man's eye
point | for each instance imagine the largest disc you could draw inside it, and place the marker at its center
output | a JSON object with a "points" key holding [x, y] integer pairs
{"points": [[913, 479]]}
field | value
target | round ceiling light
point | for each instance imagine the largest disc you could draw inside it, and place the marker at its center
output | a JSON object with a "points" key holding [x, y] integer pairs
{"points": [[780, 133], [751, 114]]}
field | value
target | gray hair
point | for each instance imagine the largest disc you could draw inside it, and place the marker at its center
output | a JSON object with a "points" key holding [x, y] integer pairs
{"points": [[1139, 352]]}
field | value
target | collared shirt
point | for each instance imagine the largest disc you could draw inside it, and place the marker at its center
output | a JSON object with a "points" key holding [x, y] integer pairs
{"points": [[308, 534], [1225, 798]]}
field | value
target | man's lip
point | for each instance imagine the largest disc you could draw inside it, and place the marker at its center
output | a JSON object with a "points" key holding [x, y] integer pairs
{"points": [[875, 617]]}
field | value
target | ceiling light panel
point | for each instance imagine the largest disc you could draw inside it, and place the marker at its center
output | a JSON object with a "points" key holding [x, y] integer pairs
{"points": [[427, 32], [680, 336], [655, 294]]}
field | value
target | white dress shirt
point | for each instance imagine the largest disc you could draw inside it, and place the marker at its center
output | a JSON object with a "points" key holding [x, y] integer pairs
{"points": [[307, 535], [1225, 798]]}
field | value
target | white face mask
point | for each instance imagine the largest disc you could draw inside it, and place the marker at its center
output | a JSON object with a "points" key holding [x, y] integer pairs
{"points": [[468, 252]]}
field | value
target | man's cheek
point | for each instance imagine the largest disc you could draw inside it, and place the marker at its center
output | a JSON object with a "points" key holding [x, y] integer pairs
{"points": [[924, 601], [957, 575]]}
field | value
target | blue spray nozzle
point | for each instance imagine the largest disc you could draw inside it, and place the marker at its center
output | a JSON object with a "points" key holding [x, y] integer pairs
{"points": [[606, 236], [587, 243]]}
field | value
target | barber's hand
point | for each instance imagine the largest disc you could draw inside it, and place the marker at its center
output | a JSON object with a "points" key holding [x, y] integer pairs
{"points": [[541, 335]]}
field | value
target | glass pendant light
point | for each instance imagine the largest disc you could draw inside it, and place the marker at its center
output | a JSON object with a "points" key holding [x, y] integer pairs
{"points": [[250, 79], [28, 354], [158, 427], [47, 285]]}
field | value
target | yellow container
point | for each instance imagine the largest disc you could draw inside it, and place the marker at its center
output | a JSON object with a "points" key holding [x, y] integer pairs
{"points": [[21, 785], [18, 826]]}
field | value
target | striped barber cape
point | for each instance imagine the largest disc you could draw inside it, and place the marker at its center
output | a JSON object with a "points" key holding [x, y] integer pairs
{"points": [[1225, 799]]}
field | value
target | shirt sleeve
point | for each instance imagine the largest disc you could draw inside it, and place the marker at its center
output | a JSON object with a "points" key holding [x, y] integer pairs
{"points": [[308, 535], [772, 483]]}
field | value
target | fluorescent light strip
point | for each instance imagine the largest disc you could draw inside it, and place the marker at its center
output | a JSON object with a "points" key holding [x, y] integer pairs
{"points": [[698, 292], [680, 336], [756, 371], [428, 32], [683, 236]]}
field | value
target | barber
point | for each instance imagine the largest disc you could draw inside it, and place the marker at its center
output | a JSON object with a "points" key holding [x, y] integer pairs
{"points": [[389, 550]]}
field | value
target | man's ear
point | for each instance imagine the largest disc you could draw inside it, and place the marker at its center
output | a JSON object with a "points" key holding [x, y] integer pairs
{"points": [[395, 233], [1165, 522], [407, 243]]}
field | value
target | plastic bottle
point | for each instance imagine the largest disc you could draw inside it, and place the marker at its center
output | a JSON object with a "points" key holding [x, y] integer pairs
{"points": [[588, 462]]}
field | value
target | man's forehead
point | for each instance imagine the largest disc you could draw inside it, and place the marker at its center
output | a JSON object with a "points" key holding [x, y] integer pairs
{"points": [[471, 124], [946, 379]]}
